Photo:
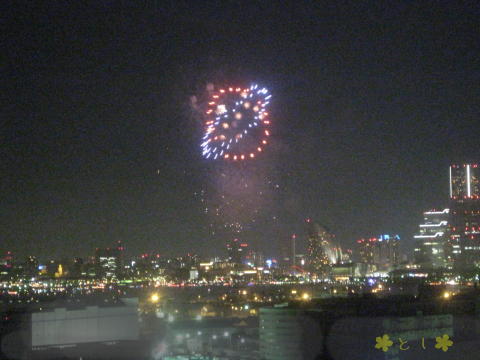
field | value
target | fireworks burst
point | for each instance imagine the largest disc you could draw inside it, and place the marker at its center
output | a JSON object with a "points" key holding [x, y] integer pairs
{"points": [[237, 123]]}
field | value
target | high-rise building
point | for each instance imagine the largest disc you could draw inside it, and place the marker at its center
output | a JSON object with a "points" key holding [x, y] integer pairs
{"points": [[109, 261], [6, 265], [381, 251], [430, 239], [464, 181], [8, 259], [254, 258], [76, 267], [463, 236], [322, 252], [31, 266], [237, 251]]}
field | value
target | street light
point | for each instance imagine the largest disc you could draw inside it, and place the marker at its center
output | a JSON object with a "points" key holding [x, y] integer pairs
{"points": [[154, 298]]}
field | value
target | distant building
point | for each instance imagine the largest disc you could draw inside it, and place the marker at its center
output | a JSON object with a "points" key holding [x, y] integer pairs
{"points": [[430, 239], [237, 251], [382, 251], [254, 258], [6, 265], [52, 268], [7, 260], [77, 268], [464, 181], [322, 251], [109, 261], [346, 272], [463, 236], [31, 266]]}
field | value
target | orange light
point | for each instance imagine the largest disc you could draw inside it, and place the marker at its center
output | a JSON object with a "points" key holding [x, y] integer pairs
{"points": [[238, 89], [226, 156], [267, 133], [211, 103], [209, 111], [266, 122], [259, 149], [215, 96], [235, 157], [243, 157], [230, 89], [265, 113], [264, 141], [222, 91], [252, 155]]}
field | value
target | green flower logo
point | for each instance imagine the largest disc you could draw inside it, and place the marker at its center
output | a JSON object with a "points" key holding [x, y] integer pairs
{"points": [[443, 342], [383, 342]]}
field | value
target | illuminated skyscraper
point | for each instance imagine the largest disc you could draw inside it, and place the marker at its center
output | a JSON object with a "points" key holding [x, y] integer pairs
{"points": [[464, 181], [322, 252], [109, 261], [463, 237], [382, 251], [430, 240]]}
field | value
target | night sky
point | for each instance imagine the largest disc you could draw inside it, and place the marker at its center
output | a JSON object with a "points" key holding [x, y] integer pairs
{"points": [[98, 141]]}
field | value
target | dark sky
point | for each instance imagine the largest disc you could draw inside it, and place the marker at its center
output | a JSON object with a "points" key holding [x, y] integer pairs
{"points": [[98, 143]]}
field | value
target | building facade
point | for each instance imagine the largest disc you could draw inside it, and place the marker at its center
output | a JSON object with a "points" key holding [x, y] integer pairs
{"points": [[322, 251], [381, 251], [237, 251], [463, 236], [109, 261], [464, 181], [430, 241]]}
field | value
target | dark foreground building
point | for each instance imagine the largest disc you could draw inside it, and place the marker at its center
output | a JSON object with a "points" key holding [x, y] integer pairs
{"points": [[347, 328], [87, 331]]}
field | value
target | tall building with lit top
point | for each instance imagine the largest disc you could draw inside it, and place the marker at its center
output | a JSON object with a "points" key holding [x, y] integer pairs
{"points": [[464, 181], [430, 240], [463, 237]]}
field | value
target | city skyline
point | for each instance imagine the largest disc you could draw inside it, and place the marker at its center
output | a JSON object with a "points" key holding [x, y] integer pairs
{"points": [[100, 144], [240, 180]]}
